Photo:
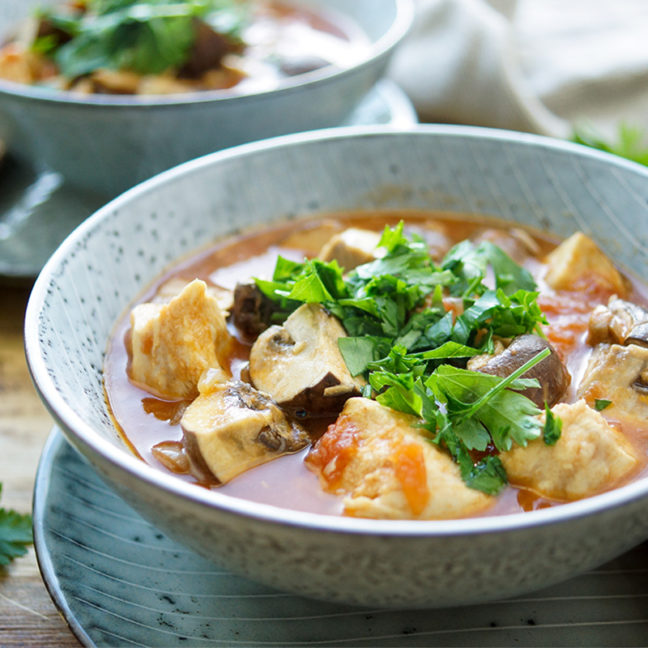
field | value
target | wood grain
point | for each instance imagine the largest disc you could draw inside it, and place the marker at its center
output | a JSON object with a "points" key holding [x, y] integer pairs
{"points": [[27, 615]]}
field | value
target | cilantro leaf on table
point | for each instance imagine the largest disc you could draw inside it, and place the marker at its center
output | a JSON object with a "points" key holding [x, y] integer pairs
{"points": [[15, 534]]}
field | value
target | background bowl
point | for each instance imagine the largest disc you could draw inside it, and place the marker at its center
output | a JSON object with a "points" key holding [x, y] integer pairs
{"points": [[111, 257], [109, 143]]}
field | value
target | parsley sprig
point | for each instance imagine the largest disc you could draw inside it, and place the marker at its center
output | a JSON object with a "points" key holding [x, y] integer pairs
{"points": [[15, 534], [412, 350]]}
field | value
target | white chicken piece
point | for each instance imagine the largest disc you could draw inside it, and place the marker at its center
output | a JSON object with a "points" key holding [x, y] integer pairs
{"points": [[388, 470], [173, 343], [618, 374], [231, 427], [589, 457], [300, 365], [169, 289], [579, 256], [352, 247]]}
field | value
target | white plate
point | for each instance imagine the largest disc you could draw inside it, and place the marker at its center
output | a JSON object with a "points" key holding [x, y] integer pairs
{"points": [[38, 210], [120, 582]]}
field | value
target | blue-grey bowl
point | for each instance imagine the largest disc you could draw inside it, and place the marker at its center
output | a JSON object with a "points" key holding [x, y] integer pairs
{"points": [[110, 143], [117, 252]]}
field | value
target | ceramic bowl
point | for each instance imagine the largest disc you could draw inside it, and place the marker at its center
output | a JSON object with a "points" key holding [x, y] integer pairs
{"points": [[109, 143], [117, 252]]}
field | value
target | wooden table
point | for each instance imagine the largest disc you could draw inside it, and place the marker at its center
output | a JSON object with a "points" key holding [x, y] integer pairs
{"points": [[27, 615]]}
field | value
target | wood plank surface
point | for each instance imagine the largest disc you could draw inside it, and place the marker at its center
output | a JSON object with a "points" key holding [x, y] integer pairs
{"points": [[27, 615]]}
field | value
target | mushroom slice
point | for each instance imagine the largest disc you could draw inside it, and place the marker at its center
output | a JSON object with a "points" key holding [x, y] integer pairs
{"points": [[618, 374], [579, 256], [231, 427], [251, 310], [387, 470], [620, 322], [173, 343], [590, 456], [351, 248], [300, 365], [551, 373]]}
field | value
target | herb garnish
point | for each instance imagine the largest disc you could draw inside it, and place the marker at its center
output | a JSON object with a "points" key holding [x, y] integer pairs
{"points": [[552, 428], [412, 349], [630, 143], [145, 36], [600, 404], [15, 534]]}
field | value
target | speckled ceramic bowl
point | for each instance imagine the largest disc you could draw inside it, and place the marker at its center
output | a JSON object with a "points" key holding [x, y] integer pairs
{"points": [[110, 143], [109, 259]]}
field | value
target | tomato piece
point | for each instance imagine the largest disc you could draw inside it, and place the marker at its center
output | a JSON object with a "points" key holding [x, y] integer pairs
{"points": [[409, 466]]}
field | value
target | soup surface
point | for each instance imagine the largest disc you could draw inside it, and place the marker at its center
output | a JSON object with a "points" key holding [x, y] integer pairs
{"points": [[146, 47], [426, 421]]}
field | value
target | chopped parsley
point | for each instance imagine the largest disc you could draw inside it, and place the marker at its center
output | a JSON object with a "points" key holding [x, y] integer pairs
{"points": [[15, 534], [552, 428], [600, 404], [412, 349]]}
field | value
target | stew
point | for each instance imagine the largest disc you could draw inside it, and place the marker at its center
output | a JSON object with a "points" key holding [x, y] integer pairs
{"points": [[390, 365], [163, 47]]}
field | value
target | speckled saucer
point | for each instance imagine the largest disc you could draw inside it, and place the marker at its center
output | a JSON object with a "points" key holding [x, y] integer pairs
{"points": [[120, 582]]}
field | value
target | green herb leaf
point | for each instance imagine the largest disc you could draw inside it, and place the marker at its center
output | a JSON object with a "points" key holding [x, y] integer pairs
{"points": [[552, 428], [488, 475], [15, 534], [600, 404], [507, 415], [469, 263], [631, 142], [359, 352], [401, 337]]}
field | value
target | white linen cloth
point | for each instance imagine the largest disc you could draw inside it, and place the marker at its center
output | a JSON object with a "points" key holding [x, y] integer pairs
{"points": [[541, 66]]}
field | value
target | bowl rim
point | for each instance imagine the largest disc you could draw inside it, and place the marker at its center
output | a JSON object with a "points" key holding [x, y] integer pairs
{"points": [[82, 434], [400, 26]]}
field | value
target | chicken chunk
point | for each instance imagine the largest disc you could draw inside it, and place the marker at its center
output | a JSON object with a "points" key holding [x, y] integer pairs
{"points": [[300, 365], [231, 427], [169, 289], [312, 239], [388, 470], [173, 343], [351, 248], [618, 374], [589, 457], [579, 256]]}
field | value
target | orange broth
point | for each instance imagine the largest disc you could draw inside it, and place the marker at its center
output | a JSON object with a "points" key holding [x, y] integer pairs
{"points": [[145, 421]]}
